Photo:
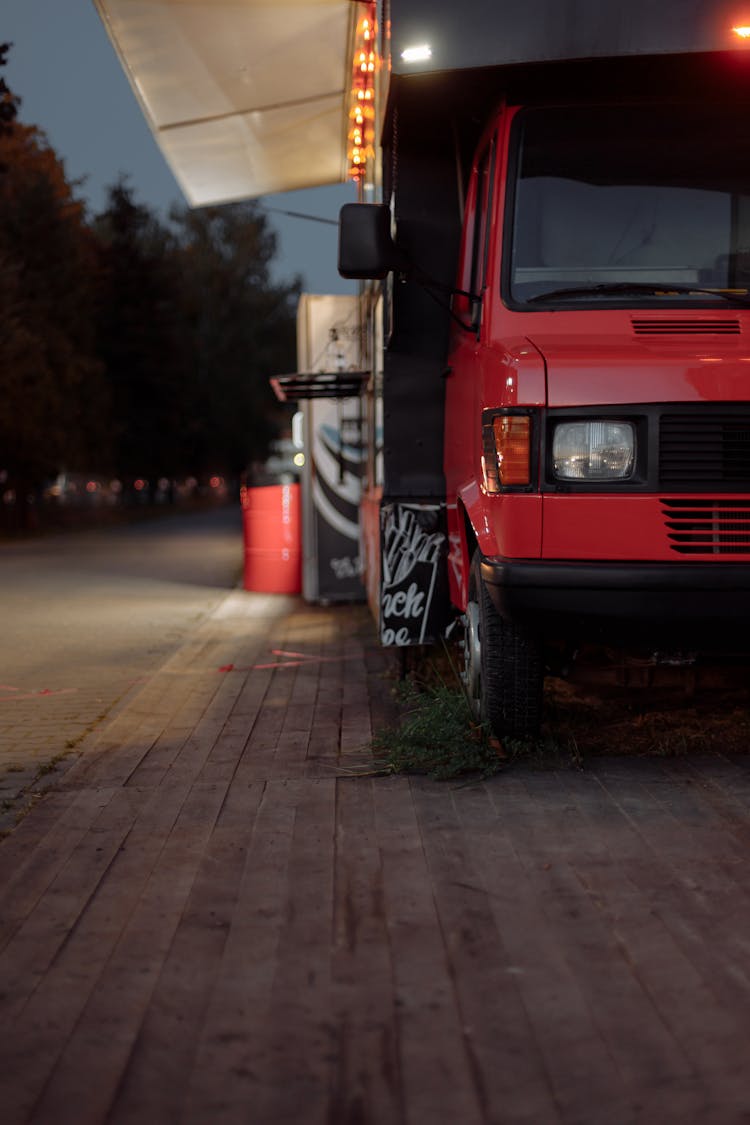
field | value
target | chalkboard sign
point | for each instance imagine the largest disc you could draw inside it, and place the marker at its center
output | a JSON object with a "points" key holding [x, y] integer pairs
{"points": [[413, 581]]}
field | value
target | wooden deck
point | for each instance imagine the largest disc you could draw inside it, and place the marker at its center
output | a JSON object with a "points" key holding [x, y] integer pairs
{"points": [[213, 919]]}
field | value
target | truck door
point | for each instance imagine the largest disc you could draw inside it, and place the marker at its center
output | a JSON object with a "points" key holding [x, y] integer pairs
{"points": [[462, 453]]}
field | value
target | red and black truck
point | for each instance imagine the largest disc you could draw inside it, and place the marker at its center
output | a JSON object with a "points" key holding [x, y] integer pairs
{"points": [[560, 432], [553, 244]]}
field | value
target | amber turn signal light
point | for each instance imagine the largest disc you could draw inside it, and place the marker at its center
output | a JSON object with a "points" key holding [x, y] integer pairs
{"points": [[506, 449]]}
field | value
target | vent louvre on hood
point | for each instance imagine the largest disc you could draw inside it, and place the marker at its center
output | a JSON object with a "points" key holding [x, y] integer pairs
{"points": [[685, 326]]}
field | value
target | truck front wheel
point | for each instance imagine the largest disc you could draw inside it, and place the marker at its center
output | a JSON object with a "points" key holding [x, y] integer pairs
{"points": [[503, 666]]}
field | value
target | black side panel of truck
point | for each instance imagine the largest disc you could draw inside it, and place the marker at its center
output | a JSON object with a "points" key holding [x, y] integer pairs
{"points": [[420, 173]]}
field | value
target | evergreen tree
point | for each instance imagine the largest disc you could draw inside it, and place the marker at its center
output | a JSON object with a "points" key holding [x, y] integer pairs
{"points": [[143, 340], [242, 333]]}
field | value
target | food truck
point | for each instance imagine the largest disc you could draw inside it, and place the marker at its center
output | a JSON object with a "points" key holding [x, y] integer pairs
{"points": [[552, 241]]}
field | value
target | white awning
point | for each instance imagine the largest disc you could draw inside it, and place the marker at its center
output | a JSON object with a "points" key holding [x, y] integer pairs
{"points": [[244, 97]]}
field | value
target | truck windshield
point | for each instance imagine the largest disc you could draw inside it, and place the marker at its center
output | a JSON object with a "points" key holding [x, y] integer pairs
{"points": [[615, 205]]}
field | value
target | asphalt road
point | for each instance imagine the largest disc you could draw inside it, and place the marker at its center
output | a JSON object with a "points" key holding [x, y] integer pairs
{"points": [[86, 616]]}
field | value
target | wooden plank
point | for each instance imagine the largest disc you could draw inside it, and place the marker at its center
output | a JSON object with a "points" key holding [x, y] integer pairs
{"points": [[294, 739], [105, 1032], [223, 1082], [367, 1083], [22, 893], [159, 1068], [650, 1061], [293, 1049], [51, 1013], [51, 814], [231, 744], [645, 1053], [678, 999], [260, 754], [516, 1001], [250, 700], [323, 751], [691, 967], [437, 1076]]}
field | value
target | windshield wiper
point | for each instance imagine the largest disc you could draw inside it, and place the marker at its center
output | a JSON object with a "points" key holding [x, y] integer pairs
{"points": [[616, 288]]}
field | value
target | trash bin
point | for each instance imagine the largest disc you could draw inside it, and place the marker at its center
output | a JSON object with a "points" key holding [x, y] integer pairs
{"points": [[272, 534]]}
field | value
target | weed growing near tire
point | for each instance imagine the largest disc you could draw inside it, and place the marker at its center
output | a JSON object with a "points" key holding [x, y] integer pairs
{"points": [[437, 736]]}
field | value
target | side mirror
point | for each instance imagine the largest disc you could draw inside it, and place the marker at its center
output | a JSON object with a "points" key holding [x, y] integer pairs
{"points": [[366, 249]]}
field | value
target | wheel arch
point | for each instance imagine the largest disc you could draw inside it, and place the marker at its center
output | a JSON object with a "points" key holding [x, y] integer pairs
{"points": [[463, 546]]}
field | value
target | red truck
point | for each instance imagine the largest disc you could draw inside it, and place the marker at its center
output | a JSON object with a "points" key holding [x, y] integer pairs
{"points": [[553, 240], [564, 251]]}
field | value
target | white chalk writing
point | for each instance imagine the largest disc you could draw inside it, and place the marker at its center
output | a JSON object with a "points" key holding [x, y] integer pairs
{"points": [[406, 543], [410, 560], [404, 603], [346, 567], [398, 637]]}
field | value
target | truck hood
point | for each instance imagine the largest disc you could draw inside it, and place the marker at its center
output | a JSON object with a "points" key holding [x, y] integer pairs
{"points": [[584, 370]]}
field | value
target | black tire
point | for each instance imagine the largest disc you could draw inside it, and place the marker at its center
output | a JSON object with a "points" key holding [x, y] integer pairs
{"points": [[511, 667]]}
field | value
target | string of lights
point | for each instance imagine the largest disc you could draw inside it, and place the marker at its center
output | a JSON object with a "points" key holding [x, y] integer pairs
{"points": [[362, 110]]}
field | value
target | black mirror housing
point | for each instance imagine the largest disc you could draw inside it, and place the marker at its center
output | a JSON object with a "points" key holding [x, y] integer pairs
{"points": [[366, 249]]}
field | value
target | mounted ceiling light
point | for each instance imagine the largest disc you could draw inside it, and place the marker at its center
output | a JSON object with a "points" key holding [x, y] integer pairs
{"points": [[420, 53]]}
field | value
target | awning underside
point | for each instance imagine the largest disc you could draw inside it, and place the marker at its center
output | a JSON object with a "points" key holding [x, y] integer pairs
{"points": [[245, 97]]}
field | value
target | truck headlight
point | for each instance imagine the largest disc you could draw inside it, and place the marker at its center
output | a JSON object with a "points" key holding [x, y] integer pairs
{"points": [[595, 450]]}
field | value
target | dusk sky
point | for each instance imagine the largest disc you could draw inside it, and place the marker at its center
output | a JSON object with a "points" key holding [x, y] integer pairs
{"points": [[71, 85]]}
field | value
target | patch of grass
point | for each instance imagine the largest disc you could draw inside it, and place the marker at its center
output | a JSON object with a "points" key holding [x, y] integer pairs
{"points": [[439, 736], [436, 736]]}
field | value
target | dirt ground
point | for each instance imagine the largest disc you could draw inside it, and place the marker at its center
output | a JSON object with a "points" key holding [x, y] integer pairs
{"points": [[615, 706], [613, 703]]}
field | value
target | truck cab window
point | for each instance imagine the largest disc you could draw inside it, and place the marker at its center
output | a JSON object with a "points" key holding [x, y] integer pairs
{"points": [[614, 196]]}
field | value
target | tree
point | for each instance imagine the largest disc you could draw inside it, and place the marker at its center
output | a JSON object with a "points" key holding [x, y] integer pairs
{"points": [[8, 100], [142, 338], [53, 394], [242, 330], [130, 346]]}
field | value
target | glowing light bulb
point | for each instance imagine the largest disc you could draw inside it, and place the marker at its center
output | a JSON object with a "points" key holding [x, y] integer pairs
{"points": [[420, 53], [742, 32]]}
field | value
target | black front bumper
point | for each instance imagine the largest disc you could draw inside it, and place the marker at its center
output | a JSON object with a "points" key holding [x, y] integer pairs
{"points": [[642, 597]]}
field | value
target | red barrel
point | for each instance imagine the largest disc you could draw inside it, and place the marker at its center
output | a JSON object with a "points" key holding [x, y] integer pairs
{"points": [[272, 531]]}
